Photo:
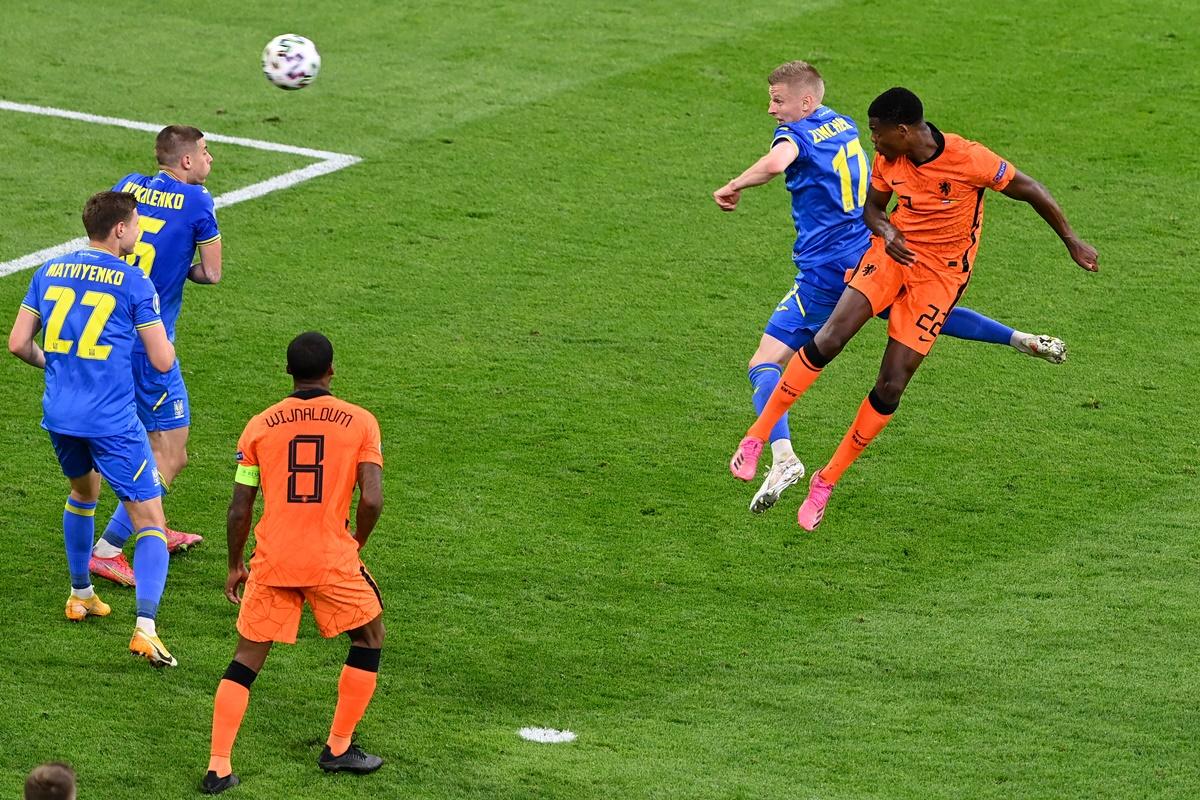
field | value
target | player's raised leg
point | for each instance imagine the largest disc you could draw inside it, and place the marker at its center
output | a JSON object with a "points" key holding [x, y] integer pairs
{"points": [[229, 707], [965, 323], [900, 362], [355, 689], [78, 531], [851, 313], [766, 369]]}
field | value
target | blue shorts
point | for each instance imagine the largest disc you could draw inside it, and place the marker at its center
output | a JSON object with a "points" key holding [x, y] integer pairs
{"points": [[162, 399], [803, 310], [124, 460], [798, 317]]}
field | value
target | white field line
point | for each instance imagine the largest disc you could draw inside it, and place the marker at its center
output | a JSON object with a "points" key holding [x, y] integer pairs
{"points": [[327, 162]]}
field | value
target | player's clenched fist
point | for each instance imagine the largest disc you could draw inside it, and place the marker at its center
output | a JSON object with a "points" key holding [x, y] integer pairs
{"points": [[727, 197]]}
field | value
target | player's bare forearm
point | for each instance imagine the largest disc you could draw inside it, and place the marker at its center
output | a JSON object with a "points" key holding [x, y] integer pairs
{"points": [[159, 349], [208, 269], [21, 342], [370, 502], [30, 353], [1026, 189], [237, 522], [876, 220], [762, 171], [875, 217], [197, 275]]}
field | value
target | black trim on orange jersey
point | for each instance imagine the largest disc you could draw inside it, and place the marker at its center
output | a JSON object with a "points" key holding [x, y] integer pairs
{"points": [[309, 394], [939, 139], [958, 296], [370, 582], [974, 231]]}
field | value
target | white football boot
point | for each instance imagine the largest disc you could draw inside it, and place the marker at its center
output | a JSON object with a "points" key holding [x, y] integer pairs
{"points": [[1050, 348], [783, 474]]}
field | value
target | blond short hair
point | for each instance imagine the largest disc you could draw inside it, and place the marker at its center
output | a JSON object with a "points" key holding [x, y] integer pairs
{"points": [[799, 73]]}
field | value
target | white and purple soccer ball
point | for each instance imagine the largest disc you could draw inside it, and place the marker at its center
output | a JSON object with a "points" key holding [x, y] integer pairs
{"points": [[290, 61]]}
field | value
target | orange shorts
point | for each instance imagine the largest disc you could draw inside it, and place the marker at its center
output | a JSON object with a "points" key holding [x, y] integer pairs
{"points": [[272, 613], [920, 296]]}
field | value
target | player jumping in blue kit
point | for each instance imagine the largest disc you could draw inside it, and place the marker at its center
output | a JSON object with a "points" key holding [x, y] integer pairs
{"points": [[827, 173], [177, 219], [95, 308]]}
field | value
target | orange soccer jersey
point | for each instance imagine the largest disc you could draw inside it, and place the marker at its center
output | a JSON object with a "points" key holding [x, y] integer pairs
{"points": [[306, 450], [939, 203]]}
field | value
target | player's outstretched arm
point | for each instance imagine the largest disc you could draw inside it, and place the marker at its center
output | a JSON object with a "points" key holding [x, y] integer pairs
{"points": [[158, 347], [773, 163], [208, 268], [1026, 189], [370, 501], [21, 341], [875, 217], [237, 531]]}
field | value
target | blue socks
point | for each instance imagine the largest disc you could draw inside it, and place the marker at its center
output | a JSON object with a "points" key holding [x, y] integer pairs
{"points": [[79, 528], [119, 527], [764, 378], [963, 323], [149, 570]]}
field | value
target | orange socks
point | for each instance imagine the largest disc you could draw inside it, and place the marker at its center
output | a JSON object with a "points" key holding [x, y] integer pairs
{"points": [[800, 373], [873, 416], [355, 689], [233, 695]]}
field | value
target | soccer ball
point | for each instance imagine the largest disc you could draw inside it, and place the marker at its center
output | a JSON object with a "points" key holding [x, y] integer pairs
{"points": [[290, 61]]}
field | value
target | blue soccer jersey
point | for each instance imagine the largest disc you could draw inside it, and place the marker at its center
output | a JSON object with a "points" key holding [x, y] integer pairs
{"points": [[92, 305], [176, 218], [828, 180]]}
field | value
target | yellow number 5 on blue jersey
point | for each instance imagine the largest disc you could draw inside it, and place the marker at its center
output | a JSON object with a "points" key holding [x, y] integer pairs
{"points": [[143, 251]]}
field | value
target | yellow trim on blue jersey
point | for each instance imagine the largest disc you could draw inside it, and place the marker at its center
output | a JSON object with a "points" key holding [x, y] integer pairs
{"points": [[138, 474], [791, 137], [146, 325], [142, 534], [83, 512], [32, 310], [172, 174], [160, 401], [209, 241], [247, 475]]}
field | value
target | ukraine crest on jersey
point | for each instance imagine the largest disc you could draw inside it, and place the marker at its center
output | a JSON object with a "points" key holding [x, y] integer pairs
{"points": [[175, 218], [92, 305], [828, 181]]}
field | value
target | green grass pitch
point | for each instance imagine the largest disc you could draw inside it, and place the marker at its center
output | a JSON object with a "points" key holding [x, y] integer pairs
{"points": [[527, 281]]}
